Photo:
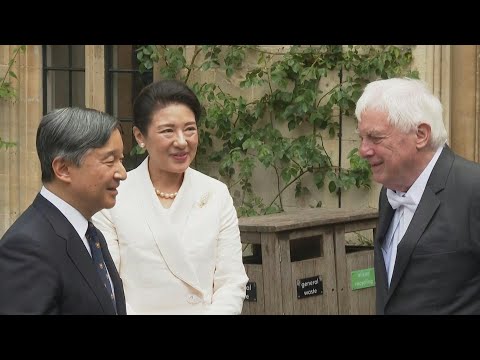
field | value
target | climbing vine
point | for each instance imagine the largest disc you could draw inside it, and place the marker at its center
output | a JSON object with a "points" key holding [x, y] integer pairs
{"points": [[7, 91], [301, 96]]}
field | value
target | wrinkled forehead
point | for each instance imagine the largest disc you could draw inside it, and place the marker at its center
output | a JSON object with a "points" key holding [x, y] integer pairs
{"points": [[373, 120]]}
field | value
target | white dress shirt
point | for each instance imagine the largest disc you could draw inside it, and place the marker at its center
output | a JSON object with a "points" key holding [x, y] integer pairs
{"points": [[415, 193], [74, 216]]}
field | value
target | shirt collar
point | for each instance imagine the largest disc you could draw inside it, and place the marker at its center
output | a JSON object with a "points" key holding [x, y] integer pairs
{"points": [[74, 216], [416, 190]]}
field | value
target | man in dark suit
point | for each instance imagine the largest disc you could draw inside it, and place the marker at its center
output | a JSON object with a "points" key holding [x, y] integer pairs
{"points": [[49, 262], [427, 243]]}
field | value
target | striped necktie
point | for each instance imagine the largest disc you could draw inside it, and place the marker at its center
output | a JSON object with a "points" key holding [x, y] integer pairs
{"points": [[97, 257]]}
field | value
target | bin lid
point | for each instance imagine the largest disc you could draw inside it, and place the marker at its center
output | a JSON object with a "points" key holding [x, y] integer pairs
{"points": [[302, 218]]}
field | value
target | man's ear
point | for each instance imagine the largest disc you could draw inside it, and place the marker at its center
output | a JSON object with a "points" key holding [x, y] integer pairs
{"points": [[62, 168], [424, 131]]}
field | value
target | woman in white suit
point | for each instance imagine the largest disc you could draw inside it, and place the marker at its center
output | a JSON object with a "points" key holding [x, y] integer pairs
{"points": [[173, 232]]}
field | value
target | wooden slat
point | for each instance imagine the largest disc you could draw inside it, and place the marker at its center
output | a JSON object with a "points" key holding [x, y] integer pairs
{"points": [[330, 282], [303, 219], [341, 269], [250, 237], [255, 274], [271, 274], [360, 225], [324, 266], [286, 275], [361, 302], [303, 233]]}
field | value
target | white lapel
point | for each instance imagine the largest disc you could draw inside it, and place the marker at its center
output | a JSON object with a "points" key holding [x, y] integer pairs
{"points": [[168, 236], [188, 197]]}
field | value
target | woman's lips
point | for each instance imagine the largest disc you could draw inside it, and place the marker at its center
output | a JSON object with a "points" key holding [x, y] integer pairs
{"points": [[180, 157]]}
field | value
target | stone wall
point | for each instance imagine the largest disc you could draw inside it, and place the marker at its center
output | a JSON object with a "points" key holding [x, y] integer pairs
{"points": [[19, 167]]}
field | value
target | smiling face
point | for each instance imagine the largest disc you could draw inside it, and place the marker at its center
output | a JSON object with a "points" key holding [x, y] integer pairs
{"points": [[93, 184], [392, 154], [171, 139]]}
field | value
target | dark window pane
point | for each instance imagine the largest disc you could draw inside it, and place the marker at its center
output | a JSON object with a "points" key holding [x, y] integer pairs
{"points": [[78, 56], [128, 142], [58, 56], [60, 86], [124, 57], [78, 89], [63, 76], [122, 88], [123, 83]]}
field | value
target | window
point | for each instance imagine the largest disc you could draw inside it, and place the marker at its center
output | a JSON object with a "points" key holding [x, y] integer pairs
{"points": [[123, 83], [63, 76]]}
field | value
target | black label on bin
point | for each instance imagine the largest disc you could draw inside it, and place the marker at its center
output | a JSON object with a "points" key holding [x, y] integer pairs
{"points": [[312, 286], [251, 294]]}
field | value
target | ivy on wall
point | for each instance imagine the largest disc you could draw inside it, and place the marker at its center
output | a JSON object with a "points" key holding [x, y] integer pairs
{"points": [[240, 134], [7, 91]]}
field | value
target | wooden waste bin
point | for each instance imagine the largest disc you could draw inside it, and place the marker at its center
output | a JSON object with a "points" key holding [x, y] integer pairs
{"points": [[354, 268], [299, 264]]}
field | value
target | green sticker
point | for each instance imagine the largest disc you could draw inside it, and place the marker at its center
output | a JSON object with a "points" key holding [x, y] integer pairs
{"points": [[362, 279]]}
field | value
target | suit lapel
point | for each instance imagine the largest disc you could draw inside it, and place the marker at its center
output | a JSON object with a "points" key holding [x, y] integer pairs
{"points": [[76, 251], [168, 236], [426, 209], [184, 203], [112, 271], [424, 213], [385, 217], [82, 260]]}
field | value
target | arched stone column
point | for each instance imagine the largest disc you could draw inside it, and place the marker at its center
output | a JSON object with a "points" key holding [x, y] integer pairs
{"points": [[95, 77], [465, 101], [438, 74], [20, 175]]}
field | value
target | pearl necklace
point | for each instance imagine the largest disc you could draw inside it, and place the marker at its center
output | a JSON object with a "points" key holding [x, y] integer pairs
{"points": [[166, 195]]}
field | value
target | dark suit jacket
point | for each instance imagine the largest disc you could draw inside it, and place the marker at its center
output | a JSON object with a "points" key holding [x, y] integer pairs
{"points": [[437, 269], [46, 269]]}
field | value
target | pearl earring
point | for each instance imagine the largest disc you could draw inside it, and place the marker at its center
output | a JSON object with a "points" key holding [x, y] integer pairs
{"points": [[142, 145]]}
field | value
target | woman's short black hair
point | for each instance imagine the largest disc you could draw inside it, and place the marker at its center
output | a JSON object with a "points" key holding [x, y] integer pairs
{"points": [[159, 95]]}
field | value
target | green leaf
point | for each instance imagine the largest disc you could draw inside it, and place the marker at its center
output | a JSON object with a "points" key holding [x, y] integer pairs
{"points": [[331, 132], [319, 179], [332, 187], [286, 176], [285, 92]]}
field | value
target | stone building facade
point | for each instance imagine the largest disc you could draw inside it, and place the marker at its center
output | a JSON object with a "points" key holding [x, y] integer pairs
{"points": [[452, 71]]}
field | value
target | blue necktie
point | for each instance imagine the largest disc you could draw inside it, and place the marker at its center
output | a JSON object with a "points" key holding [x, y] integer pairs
{"points": [[98, 261]]}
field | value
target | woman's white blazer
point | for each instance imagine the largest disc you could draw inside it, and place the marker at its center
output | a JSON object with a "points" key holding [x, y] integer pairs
{"points": [[183, 260]]}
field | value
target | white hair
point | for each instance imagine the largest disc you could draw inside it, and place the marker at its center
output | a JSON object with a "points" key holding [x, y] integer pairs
{"points": [[408, 103]]}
